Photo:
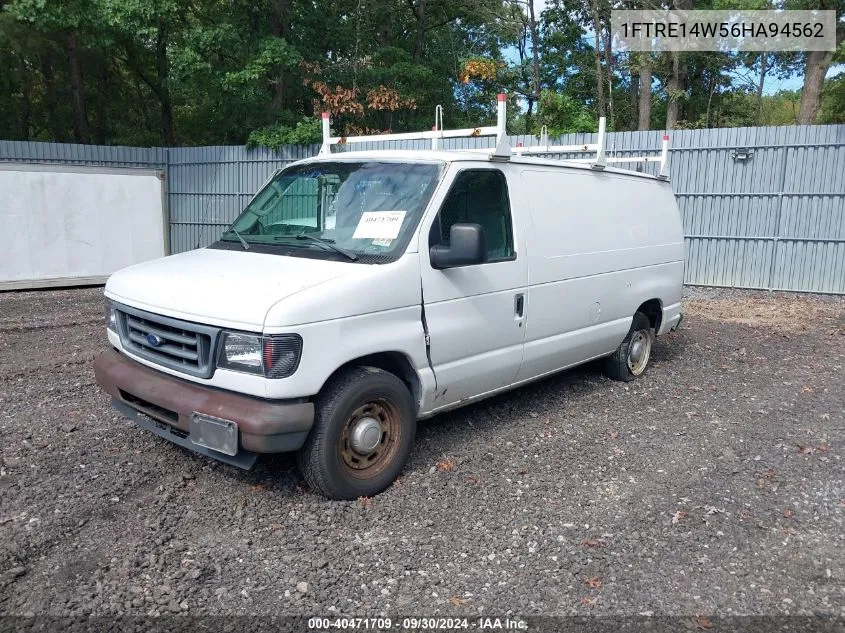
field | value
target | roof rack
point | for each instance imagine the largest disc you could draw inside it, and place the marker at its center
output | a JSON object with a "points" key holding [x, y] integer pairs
{"points": [[503, 150]]}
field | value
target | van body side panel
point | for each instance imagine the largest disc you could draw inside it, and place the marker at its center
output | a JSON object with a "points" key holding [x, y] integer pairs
{"points": [[582, 329], [589, 223], [332, 344], [599, 246]]}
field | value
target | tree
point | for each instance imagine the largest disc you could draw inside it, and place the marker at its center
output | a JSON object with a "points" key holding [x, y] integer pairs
{"points": [[153, 72], [817, 63], [815, 68], [644, 102], [65, 23]]}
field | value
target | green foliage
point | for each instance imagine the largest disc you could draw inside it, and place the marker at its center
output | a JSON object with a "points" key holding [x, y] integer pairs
{"points": [[306, 132], [833, 101], [151, 72], [273, 53], [563, 115]]}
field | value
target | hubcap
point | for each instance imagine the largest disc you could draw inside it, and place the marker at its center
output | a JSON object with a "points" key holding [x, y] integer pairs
{"points": [[639, 351], [370, 438], [365, 436]]}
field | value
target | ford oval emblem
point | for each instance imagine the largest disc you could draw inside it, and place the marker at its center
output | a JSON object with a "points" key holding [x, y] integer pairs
{"points": [[155, 340]]}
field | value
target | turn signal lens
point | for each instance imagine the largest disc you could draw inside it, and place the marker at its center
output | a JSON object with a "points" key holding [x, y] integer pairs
{"points": [[281, 355], [111, 316]]}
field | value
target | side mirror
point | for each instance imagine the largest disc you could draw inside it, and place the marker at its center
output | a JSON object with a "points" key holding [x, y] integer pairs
{"points": [[467, 247]]}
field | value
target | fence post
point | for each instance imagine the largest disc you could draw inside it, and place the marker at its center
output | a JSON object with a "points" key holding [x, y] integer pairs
{"points": [[239, 204], [168, 248], [778, 215]]}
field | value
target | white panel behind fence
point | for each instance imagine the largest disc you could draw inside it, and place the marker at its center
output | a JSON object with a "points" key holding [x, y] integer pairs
{"points": [[62, 225]]}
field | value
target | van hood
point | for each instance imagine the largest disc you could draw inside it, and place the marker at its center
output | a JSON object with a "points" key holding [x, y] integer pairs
{"points": [[219, 287]]}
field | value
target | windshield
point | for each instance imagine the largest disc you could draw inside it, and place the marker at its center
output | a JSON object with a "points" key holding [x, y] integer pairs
{"points": [[364, 208]]}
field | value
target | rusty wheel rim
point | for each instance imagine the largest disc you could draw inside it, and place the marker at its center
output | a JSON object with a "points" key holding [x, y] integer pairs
{"points": [[639, 351], [359, 461]]}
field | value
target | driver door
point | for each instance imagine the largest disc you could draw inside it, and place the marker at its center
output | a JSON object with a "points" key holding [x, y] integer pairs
{"points": [[475, 314]]}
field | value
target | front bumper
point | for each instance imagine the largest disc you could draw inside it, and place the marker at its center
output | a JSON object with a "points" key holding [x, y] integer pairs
{"points": [[264, 426]]}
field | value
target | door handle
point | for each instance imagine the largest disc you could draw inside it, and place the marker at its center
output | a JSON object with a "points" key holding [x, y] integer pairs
{"points": [[519, 305]]}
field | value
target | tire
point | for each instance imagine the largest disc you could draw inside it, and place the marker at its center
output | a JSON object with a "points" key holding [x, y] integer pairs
{"points": [[619, 365], [360, 406]]}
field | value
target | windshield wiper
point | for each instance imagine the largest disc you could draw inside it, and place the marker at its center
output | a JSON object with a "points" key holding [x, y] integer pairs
{"points": [[238, 235], [324, 242]]}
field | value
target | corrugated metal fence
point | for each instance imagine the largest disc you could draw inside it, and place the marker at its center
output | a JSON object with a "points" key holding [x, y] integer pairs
{"points": [[762, 207]]}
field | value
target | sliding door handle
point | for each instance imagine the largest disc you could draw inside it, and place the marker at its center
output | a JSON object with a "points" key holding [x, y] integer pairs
{"points": [[519, 305]]}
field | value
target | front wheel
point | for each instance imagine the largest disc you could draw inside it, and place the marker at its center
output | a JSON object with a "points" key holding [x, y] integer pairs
{"points": [[631, 357], [364, 427]]}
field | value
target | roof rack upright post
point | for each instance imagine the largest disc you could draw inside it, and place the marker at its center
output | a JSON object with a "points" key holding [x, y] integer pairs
{"points": [[326, 148], [501, 116], [601, 158], [503, 148], [438, 126], [664, 158]]}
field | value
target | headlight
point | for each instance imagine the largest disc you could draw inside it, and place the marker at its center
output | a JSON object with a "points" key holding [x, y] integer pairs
{"points": [[270, 356], [111, 316], [242, 352]]}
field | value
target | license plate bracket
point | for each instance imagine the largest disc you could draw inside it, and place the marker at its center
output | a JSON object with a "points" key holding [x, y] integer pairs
{"points": [[213, 433]]}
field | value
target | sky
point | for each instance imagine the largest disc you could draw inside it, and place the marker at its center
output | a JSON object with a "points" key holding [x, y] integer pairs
{"points": [[772, 85]]}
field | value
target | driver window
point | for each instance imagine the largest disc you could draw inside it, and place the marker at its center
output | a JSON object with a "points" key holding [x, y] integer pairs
{"points": [[478, 196]]}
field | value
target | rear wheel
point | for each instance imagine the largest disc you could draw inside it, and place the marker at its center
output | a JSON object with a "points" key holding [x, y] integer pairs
{"points": [[631, 357], [364, 427]]}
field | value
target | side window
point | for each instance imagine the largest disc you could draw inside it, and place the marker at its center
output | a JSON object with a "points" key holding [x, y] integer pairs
{"points": [[478, 196]]}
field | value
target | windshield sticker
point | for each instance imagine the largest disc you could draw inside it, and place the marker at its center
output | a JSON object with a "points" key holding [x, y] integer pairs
{"points": [[379, 225], [383, 243]]}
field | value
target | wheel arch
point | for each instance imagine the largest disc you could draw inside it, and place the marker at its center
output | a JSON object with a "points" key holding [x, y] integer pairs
{"points": [[395, 363], [653, 309]]}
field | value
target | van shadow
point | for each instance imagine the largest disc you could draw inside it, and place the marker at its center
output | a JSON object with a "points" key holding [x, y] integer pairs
{"points": [[451, 432]]}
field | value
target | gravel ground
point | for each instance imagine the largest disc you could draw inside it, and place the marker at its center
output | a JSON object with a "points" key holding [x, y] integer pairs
{"points": [[713, 485]]}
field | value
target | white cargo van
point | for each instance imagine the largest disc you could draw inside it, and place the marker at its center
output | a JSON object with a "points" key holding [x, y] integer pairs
{"points": [[361, 291]]}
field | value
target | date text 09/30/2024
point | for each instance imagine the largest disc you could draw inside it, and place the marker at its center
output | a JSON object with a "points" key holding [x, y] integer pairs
{"points": [[417, 624]]}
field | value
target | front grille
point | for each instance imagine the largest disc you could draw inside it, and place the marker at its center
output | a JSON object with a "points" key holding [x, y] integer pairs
{"points": [[181, 345]]}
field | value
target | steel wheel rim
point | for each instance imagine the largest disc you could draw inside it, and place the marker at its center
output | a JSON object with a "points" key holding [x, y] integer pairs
{"points": [[367, 466], [639, 352]]}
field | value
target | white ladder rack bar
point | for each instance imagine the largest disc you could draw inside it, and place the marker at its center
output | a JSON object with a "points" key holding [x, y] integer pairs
{"points": [[414, 136], [599, 162], [435, 134], [555, 149], [618, 159], [597, 148], [503, 150]]}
